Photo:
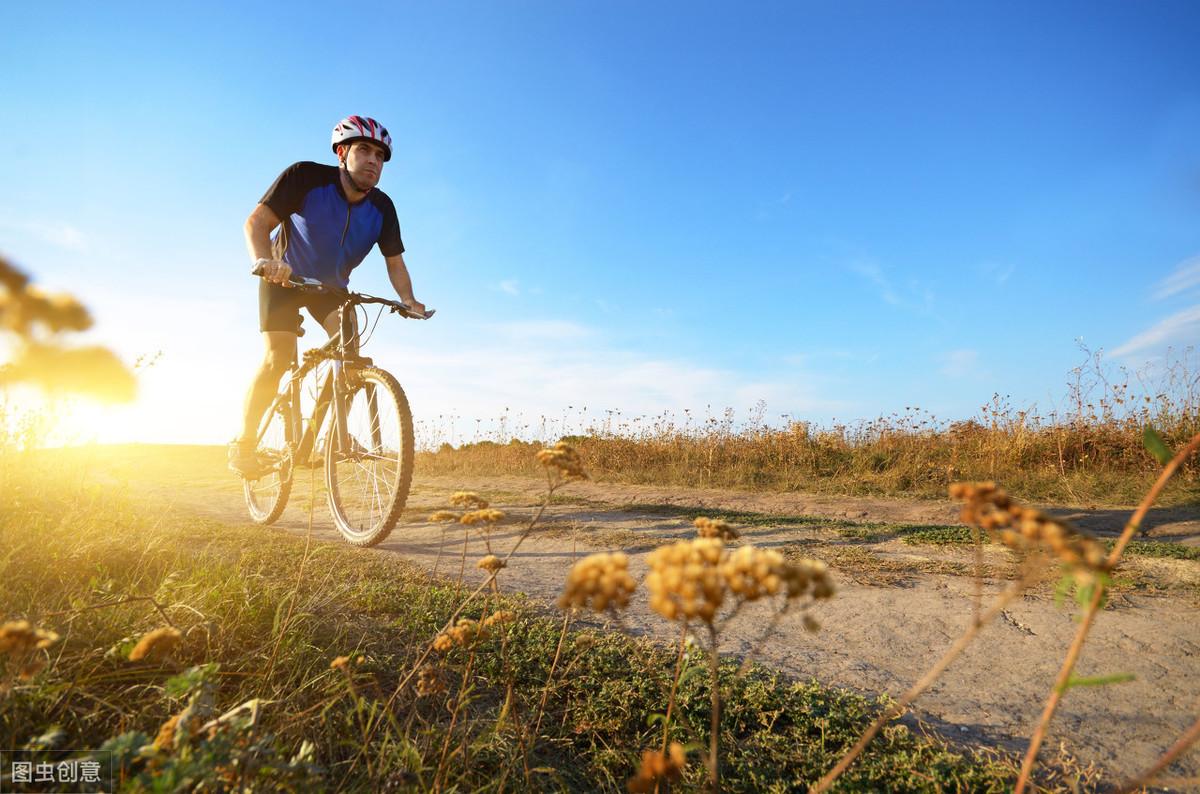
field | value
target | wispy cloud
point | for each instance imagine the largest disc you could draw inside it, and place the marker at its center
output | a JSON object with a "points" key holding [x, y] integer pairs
{"points": [[540, 330], [1185, 276], [960, 363], [915, 296], [824, 358], [874, 275], [58, 234], [996, 272], [533, 367], [510, 286], [768, 208], [1181, 327], [536, 377]]}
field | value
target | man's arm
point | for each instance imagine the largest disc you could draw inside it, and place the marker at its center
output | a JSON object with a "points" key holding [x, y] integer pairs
{"points": [[258, 228], [401, 282]]}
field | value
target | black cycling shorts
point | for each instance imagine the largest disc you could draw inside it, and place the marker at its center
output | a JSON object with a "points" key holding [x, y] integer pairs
{"points": [[279, 307]]}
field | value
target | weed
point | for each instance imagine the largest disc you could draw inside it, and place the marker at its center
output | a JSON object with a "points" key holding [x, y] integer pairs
{"points": [[1090, 453]]}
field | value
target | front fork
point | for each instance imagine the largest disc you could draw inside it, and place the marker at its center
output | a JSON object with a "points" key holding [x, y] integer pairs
{"points": [[344, 380]]}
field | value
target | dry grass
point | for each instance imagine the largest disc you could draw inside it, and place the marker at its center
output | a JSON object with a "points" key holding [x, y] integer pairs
{"points": [[279, 680], [1089, 453], [867, 566]]}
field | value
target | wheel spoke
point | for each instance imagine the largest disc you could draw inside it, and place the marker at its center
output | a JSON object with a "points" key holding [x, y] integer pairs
{"points": [[266, 496], [369, 480]]}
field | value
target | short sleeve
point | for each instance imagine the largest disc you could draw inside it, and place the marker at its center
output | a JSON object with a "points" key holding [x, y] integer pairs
{"points": [[390, 243], [286, 194]]}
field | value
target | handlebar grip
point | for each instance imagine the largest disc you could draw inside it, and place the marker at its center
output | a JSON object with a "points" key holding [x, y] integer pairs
{"points": [[293, 280]]}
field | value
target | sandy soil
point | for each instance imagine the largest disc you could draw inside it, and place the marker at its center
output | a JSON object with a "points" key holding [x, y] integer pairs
{"points": [[899, 606]]}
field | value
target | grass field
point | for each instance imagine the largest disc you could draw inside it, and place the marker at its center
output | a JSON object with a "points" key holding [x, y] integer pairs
{"points": [[1091, 454], [263, 616]]}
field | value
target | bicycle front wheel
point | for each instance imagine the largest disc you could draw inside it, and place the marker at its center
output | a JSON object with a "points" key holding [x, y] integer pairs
{"points": [[369, 457], [268, 495]]}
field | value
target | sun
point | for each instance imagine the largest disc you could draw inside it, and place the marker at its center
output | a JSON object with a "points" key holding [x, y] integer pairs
{"points": [[32, 418]]}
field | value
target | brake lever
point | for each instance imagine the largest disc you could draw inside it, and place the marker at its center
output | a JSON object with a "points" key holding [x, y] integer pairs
{"points": [[406, 312]]}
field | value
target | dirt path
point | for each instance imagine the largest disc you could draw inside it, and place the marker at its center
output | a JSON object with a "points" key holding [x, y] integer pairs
{"points": [[900, 603]]}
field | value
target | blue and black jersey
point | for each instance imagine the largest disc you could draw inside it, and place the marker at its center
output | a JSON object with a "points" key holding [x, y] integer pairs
{"points": [[322, 235]]}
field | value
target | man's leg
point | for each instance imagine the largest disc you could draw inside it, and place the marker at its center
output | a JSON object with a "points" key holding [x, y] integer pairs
{"points": [[278, 356], [330, 324]]}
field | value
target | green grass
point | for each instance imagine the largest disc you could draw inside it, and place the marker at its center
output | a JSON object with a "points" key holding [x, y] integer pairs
{"points": [[235, 593], [1158, 548], [937, 535]]}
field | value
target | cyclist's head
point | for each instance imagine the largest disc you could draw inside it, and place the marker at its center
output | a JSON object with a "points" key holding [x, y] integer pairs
{"points": [[362, 146]]}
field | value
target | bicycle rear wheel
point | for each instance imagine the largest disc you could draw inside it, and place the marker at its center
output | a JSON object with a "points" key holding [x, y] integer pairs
{"points": [[268, 495], [369, 468]]}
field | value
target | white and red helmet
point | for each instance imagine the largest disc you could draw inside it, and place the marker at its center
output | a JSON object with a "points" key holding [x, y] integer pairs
{"points": [[362, 128]]}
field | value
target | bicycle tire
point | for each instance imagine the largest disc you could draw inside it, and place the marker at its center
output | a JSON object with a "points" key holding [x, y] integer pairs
{"points": [[267, 496], [381, 437]]}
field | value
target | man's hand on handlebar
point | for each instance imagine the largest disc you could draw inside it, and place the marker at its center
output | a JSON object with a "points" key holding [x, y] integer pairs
{"points": [[415, 306], [275, 271]]}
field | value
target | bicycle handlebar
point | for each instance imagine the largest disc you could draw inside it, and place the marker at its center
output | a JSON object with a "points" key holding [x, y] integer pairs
{"points": [[312, 285]]}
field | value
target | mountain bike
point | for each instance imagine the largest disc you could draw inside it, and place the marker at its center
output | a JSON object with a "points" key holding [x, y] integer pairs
{"points": [[336, 405]]}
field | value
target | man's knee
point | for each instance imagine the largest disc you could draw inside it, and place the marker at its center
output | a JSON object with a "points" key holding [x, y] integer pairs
{"points": [[277, 360], [280, 353]]}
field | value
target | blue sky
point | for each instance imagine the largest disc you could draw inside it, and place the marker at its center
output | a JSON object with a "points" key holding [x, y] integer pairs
{"points": [[842, 209]]}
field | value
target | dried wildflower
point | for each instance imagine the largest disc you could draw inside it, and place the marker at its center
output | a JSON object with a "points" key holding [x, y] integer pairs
{"points": [[658, 768], [565, 458], [462, 634], [11, 278], [499, 618], [468, 499], [482, 516], [29, 305], [491, 564], [165, 739], [19, 636], [753, 573], [82, 370], [599, 582], [429, 681], [808, 575], [444, 515], [340, 663], [1024, 528], [31, 667], [184, 725], [64, 313], [715, 528], [685, 579], [156, 644]]}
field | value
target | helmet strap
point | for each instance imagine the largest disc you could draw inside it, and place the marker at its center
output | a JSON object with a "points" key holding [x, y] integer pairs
{"points": [[343, 153], [350, 179]]}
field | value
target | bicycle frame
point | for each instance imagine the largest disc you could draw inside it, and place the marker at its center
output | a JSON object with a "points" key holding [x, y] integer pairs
{"points": [[332, 391]]}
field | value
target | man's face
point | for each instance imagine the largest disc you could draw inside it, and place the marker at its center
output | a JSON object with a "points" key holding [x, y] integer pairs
{"points": [[364, 161]]}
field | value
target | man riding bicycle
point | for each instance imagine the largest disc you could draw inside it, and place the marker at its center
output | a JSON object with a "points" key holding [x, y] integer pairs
{"points": [[329, 218]]}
